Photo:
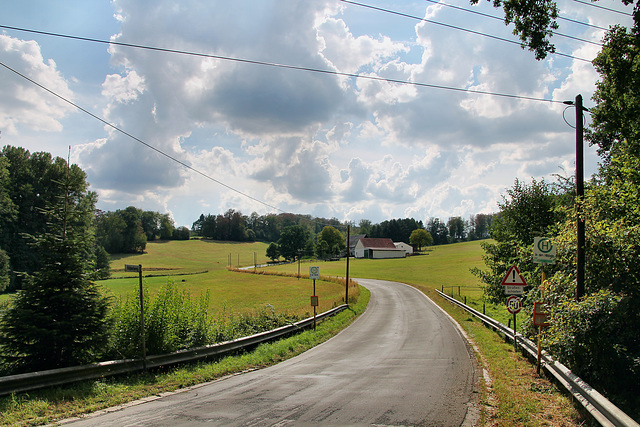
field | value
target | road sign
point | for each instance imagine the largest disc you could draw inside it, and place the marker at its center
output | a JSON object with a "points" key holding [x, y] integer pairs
{"points": [[131, 268], [514, 290], [514, 304], [314, 301], [513, 277], [314, 273], [540, 314], [544, 251]]}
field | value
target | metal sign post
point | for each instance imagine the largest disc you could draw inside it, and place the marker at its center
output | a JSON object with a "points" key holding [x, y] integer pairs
{"points": [[544, 252], [514, 305], [138, 269], [314, 273]]}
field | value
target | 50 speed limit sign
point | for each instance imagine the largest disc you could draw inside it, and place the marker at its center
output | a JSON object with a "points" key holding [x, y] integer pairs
{"points": [[514, 304]]}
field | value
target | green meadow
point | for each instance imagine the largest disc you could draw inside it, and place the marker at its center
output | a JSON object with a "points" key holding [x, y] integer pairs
{"points": [[201, 267], [446, 268]]}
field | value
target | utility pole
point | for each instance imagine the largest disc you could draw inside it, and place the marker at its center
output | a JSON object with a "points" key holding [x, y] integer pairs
{"points": [[346, 292], [580, 229], [580, 241]]}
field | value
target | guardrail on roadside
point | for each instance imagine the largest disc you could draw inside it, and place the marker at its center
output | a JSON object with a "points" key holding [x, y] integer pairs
{"points": [[602, 410], [36, 380]]}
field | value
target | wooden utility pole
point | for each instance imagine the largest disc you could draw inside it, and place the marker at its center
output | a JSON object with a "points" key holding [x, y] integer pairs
{"points": [[580, 238]]}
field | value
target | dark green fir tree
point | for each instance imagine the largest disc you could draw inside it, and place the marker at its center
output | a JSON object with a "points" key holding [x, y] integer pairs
{"points": [[59, 318]]}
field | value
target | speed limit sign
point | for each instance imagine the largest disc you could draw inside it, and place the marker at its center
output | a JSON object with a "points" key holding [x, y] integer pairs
{"points": [[514, 304]]}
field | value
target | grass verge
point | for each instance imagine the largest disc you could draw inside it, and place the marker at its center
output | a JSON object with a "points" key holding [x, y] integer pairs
{"points": [[46, 406], [515, 394]]}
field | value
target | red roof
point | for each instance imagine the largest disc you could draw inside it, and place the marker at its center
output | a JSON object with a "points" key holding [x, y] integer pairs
{"points": [[378, 243]]}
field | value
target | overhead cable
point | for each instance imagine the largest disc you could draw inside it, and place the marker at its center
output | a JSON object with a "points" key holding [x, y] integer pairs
{"points": [[290, 67], [455, 27], [602, 7], [157, 150], [486, 15]]}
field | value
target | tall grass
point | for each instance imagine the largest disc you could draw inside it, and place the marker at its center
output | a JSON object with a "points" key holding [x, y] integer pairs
{"points": [[174, 320]]}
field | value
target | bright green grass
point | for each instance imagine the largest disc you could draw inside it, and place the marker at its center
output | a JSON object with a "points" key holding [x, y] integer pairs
{"points": [[446, 268], [200, 267]]}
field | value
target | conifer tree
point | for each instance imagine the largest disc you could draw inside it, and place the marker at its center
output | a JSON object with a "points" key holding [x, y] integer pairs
{"points": [[59, 318]]}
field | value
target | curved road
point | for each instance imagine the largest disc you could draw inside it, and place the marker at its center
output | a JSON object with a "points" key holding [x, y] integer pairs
{"points": [[403, 362]]}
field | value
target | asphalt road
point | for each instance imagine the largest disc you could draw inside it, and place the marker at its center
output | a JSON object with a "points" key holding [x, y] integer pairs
{"points": [[403, 362]]}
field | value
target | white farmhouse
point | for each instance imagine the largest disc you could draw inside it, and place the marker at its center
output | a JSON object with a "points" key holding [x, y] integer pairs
{"points": [[377, 249]]}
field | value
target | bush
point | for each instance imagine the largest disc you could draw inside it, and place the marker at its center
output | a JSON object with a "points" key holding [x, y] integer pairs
{"points": [[175, 321]]}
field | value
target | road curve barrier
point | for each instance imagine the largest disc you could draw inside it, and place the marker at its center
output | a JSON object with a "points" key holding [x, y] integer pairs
{"points": [[602, 410], [54, 377]]}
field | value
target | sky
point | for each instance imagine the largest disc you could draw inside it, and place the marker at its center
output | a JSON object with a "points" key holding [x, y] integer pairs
{"points": [[246, 125]]}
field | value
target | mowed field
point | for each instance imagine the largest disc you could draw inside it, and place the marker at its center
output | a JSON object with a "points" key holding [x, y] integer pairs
{"points": [[200, 267]]}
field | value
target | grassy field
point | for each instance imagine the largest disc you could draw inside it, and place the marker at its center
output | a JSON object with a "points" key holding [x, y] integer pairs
{"points": [[446, 268], [200, 266]]}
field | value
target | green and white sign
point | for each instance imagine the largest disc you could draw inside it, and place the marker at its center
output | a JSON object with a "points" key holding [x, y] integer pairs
{"points": [[544, 251], [314, 273]]}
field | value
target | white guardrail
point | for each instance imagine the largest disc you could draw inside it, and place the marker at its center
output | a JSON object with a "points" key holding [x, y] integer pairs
{"points": [[36, 380], [602, 410]]}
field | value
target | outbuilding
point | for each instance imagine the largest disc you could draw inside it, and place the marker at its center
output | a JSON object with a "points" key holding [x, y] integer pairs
{"points": [[377, 248], [408, 249]]}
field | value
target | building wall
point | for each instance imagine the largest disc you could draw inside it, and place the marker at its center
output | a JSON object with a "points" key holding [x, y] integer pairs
{"points": [[387, 253]]}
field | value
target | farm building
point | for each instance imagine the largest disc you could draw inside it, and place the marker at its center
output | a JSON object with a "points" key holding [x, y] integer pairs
{"points": [[377, 249], [408, 249], [353, 240]]}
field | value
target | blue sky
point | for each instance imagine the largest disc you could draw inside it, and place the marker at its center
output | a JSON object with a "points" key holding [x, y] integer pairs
{"points": [[298, 141]]}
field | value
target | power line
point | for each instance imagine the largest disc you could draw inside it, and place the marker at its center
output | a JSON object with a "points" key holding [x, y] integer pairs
{"points": [[502, 20], [455, 27], [157, 150], [603, 7], [290, 67], [487, 15]]}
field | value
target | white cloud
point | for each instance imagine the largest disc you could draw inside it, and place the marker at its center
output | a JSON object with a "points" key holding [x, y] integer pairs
{"points": [[25, 105], [306, 142]]}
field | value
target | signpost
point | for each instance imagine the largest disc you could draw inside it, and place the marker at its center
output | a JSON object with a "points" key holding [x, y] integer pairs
{"points": [[544, 252], [138, 268], [514, 305], [314, 273], [514, 284]]}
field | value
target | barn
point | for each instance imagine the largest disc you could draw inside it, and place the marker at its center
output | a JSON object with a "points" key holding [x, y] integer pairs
{"points": [[375, 248]]}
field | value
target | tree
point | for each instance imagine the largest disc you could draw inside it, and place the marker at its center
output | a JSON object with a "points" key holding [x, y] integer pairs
{"points": [[167, 227], [59, 318], [29, 181], [331, 240], [273, 251], [455, 225], [5, 270], [615, 126], [181, 233], [527, 211], [150, 225], [438, 231], [535, 21], [293, 240], [420, 237]]}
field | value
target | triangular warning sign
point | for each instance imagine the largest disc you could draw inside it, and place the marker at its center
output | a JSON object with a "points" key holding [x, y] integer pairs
{"points": [[513, 277]]}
